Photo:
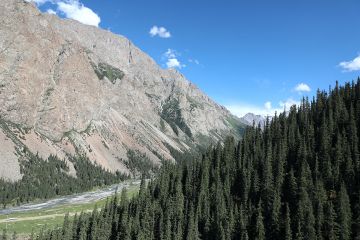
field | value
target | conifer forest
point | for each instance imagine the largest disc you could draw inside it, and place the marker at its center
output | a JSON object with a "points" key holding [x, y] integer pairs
{"points": [[297, 178]]}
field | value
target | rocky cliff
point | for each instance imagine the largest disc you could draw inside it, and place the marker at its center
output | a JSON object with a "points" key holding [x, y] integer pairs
{"points": [[251, 119], [68, 88]]}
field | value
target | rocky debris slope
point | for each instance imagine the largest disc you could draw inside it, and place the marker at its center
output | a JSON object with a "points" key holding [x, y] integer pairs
{"points": [[68, 88]]}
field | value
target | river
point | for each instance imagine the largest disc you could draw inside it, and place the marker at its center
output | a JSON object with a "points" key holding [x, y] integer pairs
{"points": [[78, 198]]}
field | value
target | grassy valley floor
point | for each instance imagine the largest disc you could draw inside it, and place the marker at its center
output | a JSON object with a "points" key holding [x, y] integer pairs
{"points": [[24, 223]]}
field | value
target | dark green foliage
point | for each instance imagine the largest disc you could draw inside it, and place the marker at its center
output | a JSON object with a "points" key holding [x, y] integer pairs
{"points": [[259, 227], [193, 153], [14, 236], [171, 113], [46, 179], [344, 214], [103, 70], [138, 164], [4, 235], [298, 178]]}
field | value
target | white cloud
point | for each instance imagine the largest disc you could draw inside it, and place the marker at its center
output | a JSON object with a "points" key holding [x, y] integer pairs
{"points": [[194, 61], [171, 53], [38, 2], [288, 103], [267, 105], [241, 109], [171, 58], [353, 65], [159, 31], [302, 87], [174, 63], [75, 10], [72, 9], [50, 11]]}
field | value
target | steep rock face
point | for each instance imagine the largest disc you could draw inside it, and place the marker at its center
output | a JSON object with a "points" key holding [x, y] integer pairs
{"points": [[77, 89], [251, 118]]}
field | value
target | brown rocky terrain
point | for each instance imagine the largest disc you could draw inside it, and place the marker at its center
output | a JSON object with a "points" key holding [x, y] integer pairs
{"points": [[68, 88]]}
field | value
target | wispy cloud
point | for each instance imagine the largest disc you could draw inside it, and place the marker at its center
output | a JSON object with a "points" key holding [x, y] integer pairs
{"points": [[50, 11], [267, 105], [73, 9], [352, 65], [241, 109], [302, 87], [171, 53], [287, 104], [159, 31], [172, 61], [194, 61], [38, 2]]}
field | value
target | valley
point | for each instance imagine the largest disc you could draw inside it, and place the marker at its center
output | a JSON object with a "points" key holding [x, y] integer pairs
{"points": [[103, 140], [34, 217]]}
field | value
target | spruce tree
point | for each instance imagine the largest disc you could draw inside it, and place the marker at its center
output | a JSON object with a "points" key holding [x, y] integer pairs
{"points": [[297, 178], [287, 235], [344, 214], [260, 229]]}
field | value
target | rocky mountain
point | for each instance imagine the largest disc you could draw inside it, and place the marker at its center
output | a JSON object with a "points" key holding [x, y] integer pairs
{"points": [[68, 88], [251, 118]]}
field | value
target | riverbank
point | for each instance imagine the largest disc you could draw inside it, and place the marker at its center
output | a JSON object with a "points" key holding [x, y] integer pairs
{"points": [[29, 218]]}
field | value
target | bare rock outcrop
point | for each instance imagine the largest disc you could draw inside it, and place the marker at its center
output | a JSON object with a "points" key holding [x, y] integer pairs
{"points": [[78, 89]]}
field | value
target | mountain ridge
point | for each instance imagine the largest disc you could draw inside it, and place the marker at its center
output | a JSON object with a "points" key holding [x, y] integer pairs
{"points": [[257, 119], [68, 88]]}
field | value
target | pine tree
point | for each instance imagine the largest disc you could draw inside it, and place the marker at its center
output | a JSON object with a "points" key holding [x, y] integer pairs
{"points": [[305, 209], [320, 197], [299, 233], [344, 216], [192, 233], [93, 224], [166, 234], [275, 217], [66, 231], [298, 178], [287, 224], [260, 229], [242, 224], [330, 226]]}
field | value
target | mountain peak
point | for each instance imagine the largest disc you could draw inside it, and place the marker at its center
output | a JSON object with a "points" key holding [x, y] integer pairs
{"points": [[78, 89], [251, 118]]}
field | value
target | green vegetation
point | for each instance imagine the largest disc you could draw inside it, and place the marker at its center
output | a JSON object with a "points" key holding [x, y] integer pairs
{"points": [[47, 179], [12, 131], [171, 113], [138, 164], [236, 125], [49, 91], [194, 152], [194, 104], [162, 125], [103, 70], [36, 220], [298, 178]]}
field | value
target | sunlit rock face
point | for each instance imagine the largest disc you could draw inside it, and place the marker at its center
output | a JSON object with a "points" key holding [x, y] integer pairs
{"points": [[78, 89]]}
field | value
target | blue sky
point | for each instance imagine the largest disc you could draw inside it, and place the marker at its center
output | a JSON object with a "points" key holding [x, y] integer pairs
{"points": [[247, 55]]}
